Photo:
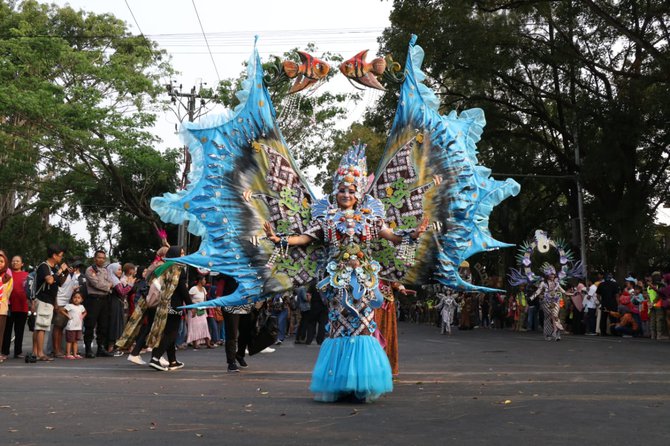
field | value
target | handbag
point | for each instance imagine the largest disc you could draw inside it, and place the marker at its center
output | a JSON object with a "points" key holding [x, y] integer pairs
{"points": [[154, 294]]}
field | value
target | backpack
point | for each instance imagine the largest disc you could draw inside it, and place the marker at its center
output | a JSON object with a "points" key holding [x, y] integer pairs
{"points": [[30, 285]]}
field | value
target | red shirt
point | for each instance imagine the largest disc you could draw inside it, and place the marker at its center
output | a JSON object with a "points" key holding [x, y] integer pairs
{"points": [[18, 301]]}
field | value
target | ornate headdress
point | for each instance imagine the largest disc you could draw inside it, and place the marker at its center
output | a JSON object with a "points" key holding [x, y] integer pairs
{"points": [[548, 269], [353, 170]]}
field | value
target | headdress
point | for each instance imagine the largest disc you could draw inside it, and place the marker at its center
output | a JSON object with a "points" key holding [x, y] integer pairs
{"points": [[548, 269], [353, 170]]}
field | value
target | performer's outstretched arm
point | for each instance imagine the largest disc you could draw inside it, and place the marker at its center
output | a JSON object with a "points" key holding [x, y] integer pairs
{"points": [[394, 238], [292, 240]]}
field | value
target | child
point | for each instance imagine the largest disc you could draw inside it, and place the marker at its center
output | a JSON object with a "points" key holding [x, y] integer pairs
{"points": [[76, 313]]}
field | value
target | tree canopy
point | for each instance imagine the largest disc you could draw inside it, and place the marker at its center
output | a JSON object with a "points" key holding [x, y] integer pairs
{"points": [[556, 79], [78, 94]]}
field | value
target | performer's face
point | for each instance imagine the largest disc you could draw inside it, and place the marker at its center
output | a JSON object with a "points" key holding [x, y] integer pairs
{"points": [[345, 196]]}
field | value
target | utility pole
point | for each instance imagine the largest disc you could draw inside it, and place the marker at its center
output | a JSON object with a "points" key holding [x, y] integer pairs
{"points": [[187, 101], [580, 205]]}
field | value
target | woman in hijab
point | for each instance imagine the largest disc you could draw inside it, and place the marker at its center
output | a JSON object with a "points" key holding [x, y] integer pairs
{"points": [[121, 286]]}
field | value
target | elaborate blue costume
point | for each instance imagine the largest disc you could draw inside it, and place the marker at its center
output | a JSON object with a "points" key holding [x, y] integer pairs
{"points": [[244, 176]]}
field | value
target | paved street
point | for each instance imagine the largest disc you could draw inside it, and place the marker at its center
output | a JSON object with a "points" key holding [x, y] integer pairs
{"points": [[476, 387]]}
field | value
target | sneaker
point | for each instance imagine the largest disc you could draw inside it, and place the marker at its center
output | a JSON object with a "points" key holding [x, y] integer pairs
{"points": [[278, 343], [241, 362], [268, 350], [156, 364], [118, 353], [175, 365], [136, 359], [164, 362], [90, 355], [233, 368]]}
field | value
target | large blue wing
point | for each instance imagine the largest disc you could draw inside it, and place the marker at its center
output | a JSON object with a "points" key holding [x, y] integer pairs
{"points": [[422, 144], [243, 175]]}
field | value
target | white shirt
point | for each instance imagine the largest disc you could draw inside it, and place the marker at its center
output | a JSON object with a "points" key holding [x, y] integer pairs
{"points": [[197, 296], [75, 313], [66, 289], [590, 301]]}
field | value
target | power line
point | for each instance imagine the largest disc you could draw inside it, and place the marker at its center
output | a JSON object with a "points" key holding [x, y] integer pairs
{"points": [[205, 36], [134, 19]]}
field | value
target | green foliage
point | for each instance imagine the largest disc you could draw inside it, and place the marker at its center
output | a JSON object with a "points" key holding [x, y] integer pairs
{"points": [[77, 93], [554, 77], [28, 236]]}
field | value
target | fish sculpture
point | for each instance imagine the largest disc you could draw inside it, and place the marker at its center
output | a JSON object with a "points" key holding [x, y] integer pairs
{"points": [[309, 71], [358, 70]]}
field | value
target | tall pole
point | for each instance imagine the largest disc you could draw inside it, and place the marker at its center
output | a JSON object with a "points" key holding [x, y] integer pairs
{"points": [[580, 205], [191, 98]]}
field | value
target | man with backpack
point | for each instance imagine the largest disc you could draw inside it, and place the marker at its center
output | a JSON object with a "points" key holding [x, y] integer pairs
{"points": [[48, 277]]}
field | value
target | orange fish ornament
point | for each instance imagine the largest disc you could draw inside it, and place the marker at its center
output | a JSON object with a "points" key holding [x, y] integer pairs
{"points": [[358, 70], [309, 71]]}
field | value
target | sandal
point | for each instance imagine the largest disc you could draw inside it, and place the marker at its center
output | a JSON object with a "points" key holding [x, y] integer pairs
{"points": [[45, 358]]}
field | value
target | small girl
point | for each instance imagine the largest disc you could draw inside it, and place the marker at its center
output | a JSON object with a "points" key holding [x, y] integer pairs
{"points": [[76, 313]]}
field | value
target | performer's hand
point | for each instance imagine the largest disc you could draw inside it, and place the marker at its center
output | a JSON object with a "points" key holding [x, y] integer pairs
{"points": [[406, 292], [270, 232], [437, 180], [420, 229]]}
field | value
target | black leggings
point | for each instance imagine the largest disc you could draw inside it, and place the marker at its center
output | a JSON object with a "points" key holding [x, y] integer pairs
{"points": [[168, 339], [238, 334], [17, 320], [141, 340]]}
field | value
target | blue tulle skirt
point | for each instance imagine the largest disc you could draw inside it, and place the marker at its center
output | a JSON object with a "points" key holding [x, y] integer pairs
{"points": [[351, 365]]}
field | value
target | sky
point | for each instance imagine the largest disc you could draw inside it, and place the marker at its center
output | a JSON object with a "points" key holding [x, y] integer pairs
{"points": [[209, 40]]}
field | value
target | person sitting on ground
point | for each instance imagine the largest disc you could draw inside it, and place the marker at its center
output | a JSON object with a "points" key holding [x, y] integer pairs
{"points": [[626, 325]]}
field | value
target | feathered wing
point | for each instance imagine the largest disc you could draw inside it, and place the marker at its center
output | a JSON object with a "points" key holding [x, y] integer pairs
{"points": [[421, 145], [243, 175]]}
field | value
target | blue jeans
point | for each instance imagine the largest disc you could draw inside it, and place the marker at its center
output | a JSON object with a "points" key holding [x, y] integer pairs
{"points": [[532, 319], [282, 321], [213, 329]]}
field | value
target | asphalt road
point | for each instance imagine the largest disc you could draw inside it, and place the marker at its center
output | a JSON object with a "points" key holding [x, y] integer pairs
{"points": [[476, 387]]}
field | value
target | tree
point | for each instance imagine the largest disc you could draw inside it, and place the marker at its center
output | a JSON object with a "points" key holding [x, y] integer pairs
{"points": [[77, 93], [554, 77]]}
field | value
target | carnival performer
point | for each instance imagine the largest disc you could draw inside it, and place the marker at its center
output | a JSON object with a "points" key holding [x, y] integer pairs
{"points": [[550, 292], [351, 362], [167, 292], [446, 307]]}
